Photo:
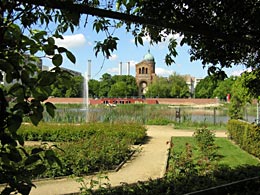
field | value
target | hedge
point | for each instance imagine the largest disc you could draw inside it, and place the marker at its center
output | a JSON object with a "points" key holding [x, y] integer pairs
{"points": [[246, 135], [55, 132], [86, 148]]}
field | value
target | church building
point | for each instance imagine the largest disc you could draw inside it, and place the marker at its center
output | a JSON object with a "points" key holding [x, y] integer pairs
{"points": [[145, 73]]}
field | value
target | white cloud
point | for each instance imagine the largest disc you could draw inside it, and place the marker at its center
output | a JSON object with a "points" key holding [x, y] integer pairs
{"points": [[133, 63], [113, 57], [239, 72], [71, 41], [114, 70], [163, 72]]}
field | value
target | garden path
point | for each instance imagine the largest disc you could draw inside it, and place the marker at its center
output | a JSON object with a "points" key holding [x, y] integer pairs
{"points": [[149, 163]]}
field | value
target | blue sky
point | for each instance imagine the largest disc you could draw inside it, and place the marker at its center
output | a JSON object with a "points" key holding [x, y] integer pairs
{"points": [[82, 41]]}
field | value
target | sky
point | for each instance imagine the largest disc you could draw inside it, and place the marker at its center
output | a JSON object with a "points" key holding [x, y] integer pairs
{"points": [[82, 41]]}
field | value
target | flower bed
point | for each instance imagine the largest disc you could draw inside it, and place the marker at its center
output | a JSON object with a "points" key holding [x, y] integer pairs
{"points": [[86, 148]]}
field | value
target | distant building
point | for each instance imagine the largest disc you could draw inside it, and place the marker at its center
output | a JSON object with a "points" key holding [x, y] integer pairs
{"points": [[191, 82], [197, 80], [73, 72], [145, 73]]}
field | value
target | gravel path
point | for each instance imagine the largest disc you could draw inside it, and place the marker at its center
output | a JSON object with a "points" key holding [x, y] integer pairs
{"points": [[148, 163]]}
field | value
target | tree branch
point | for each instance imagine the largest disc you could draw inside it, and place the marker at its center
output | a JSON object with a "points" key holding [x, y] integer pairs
{"points": [[184, 27]]}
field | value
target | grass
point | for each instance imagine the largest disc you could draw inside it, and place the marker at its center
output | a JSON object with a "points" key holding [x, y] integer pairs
{"points": [[231, 155], [194, 125]]}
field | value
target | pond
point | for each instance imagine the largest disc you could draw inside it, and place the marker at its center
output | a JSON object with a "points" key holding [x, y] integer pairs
{"points": [[142, 113]]}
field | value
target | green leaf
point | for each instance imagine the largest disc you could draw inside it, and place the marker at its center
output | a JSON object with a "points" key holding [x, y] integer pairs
{"points": [[39, 169], [13, 123], [20, 140], [36, 118], [36, 150], [50, 109], [14, 155], [49, 49], [140, 40], [34, 48], [46, 78], [9, 77], [71, 57], [57, 59], [25, 76], [51, 157], [62, 49], [32, 159], [51, 41]]}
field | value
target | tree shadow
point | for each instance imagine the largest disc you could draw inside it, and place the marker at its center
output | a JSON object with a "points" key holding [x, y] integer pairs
{"points": [[223, 181]]}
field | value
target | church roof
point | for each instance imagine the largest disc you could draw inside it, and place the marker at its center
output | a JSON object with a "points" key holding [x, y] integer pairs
{"points": [[148, 56]]}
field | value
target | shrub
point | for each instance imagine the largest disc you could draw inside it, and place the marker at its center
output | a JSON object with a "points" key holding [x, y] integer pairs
{"points": [[86, 148], [205, 139], [246, 135]]}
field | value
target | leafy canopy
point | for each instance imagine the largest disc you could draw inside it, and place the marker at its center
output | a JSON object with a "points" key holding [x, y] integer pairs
{"points": [[27, 86]]}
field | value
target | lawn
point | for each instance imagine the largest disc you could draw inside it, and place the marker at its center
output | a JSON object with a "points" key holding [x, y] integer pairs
{"points": [[230, 154]]}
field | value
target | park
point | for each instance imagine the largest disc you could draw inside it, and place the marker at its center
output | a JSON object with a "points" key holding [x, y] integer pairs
{"points": [[201, 149]]}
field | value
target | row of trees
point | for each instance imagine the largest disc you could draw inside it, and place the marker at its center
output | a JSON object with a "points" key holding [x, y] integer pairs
{"points": [[210, 87], [125, 86], [173, 86], [72, 89], [113, 86]]}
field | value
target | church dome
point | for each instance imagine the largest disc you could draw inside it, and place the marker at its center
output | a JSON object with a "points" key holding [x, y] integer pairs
{"points": [[148, 56]]}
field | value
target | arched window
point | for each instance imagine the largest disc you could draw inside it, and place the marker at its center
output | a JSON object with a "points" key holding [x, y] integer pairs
{"points": [[139, 70], [146, 71], [142, 70]]}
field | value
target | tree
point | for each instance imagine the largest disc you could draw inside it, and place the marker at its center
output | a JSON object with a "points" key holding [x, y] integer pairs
{"points": [[130, 83], [179, 87], [220, 33], [240, 95], [28, 86], [159, 88], [113, 86], [205, 87], [73, 89], [105, 85], [119, 89], [174, 86], [93, 86], [224, 87], [251, 80]]}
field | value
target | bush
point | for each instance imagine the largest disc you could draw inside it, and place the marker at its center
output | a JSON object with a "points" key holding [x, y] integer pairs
{"points": [[205, 139], [70, 132], [86, 148], [246, 135]]}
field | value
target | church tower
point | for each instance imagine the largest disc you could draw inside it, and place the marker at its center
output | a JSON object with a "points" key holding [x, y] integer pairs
{"points": [[145, 73]]}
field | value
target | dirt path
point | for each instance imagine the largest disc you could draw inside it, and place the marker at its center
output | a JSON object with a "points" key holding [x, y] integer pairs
{"points": [[148, 163]]}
